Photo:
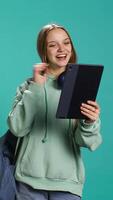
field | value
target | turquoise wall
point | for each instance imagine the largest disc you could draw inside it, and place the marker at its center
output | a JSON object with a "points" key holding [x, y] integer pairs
{"points": [[90, 23]]}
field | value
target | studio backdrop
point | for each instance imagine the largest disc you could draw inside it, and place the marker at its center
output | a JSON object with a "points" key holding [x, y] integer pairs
{"points": [[90, 24]]}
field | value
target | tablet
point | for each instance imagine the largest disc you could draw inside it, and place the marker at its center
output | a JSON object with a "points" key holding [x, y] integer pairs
{"points": [[81, 83]]}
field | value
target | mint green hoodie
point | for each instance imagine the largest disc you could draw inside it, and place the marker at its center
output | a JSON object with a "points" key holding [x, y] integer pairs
{"points": [[50, 156]]}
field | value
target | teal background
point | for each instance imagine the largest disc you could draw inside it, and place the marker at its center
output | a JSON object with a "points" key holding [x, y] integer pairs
{"points": [[90, 24]]}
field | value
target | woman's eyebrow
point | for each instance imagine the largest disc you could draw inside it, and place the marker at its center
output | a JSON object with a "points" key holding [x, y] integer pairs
{"points": [[56, 41], [67, 38], [51, 41]]}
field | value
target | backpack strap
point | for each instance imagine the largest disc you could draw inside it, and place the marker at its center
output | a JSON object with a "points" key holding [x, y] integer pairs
{"points": [[17, 149], [10, 146]]}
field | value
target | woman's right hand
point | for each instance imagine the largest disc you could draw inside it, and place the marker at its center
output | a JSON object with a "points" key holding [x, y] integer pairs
{"points": [[39, 73]]}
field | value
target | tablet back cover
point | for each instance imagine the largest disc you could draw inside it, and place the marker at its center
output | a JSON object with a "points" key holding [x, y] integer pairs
{"points": [[81, 84]]}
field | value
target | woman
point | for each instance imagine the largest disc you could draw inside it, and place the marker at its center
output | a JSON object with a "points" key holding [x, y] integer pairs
{"points": [[49, 165]]}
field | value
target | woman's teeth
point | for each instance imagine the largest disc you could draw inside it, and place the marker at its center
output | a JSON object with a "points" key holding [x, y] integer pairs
{"points": [[61, 56]]}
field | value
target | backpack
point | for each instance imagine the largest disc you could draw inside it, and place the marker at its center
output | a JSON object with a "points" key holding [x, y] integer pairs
{"points": [[8, 145]]}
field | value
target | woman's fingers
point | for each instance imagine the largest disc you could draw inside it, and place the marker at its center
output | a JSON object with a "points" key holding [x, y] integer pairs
{"points": [[91, 110], [38, 68], [39, 73]]}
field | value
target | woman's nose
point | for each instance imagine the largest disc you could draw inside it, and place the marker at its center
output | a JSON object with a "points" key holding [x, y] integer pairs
{"points": [[60, 47]]}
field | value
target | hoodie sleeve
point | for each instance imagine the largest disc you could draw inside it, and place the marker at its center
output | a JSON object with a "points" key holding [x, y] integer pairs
{"points": [[88, 135], [29, 98]]}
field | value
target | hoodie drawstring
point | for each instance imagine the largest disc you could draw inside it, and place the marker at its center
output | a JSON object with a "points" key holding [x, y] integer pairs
{"points": [[46, 112]]}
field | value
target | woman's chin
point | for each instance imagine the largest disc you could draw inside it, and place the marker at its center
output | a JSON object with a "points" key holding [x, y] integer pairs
{"points": [[62, 64]]}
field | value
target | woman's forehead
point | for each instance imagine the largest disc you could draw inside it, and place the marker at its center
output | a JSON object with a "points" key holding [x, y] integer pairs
{"points": [[56, 33]]}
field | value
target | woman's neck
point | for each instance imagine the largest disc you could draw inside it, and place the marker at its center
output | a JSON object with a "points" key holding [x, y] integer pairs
{"points": [[55, 71]]}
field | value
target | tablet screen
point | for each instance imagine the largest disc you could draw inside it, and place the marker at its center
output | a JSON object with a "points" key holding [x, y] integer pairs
{"points": [[81, 83]]}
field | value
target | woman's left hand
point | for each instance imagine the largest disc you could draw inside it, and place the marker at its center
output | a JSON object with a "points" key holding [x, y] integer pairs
{"points": [[91, 110]]}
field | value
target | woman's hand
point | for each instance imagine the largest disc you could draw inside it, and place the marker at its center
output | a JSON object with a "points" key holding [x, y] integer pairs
{"points": [[39, 73], [91, 110]]}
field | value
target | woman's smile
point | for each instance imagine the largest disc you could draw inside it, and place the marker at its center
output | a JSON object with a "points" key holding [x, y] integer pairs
{"points": [[58, 48]]}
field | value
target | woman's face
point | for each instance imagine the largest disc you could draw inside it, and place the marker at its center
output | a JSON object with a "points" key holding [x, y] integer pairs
{"points": [[58, 48]]}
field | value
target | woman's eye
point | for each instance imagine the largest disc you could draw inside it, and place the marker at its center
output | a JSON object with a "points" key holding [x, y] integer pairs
{"points": [[66, 43], [52, 45]]}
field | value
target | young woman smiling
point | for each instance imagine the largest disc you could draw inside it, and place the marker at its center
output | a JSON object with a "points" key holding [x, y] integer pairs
{"points": [[49, 165]]}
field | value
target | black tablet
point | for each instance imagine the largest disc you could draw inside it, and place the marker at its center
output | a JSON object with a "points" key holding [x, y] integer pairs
{"points": [[81, 83]]}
